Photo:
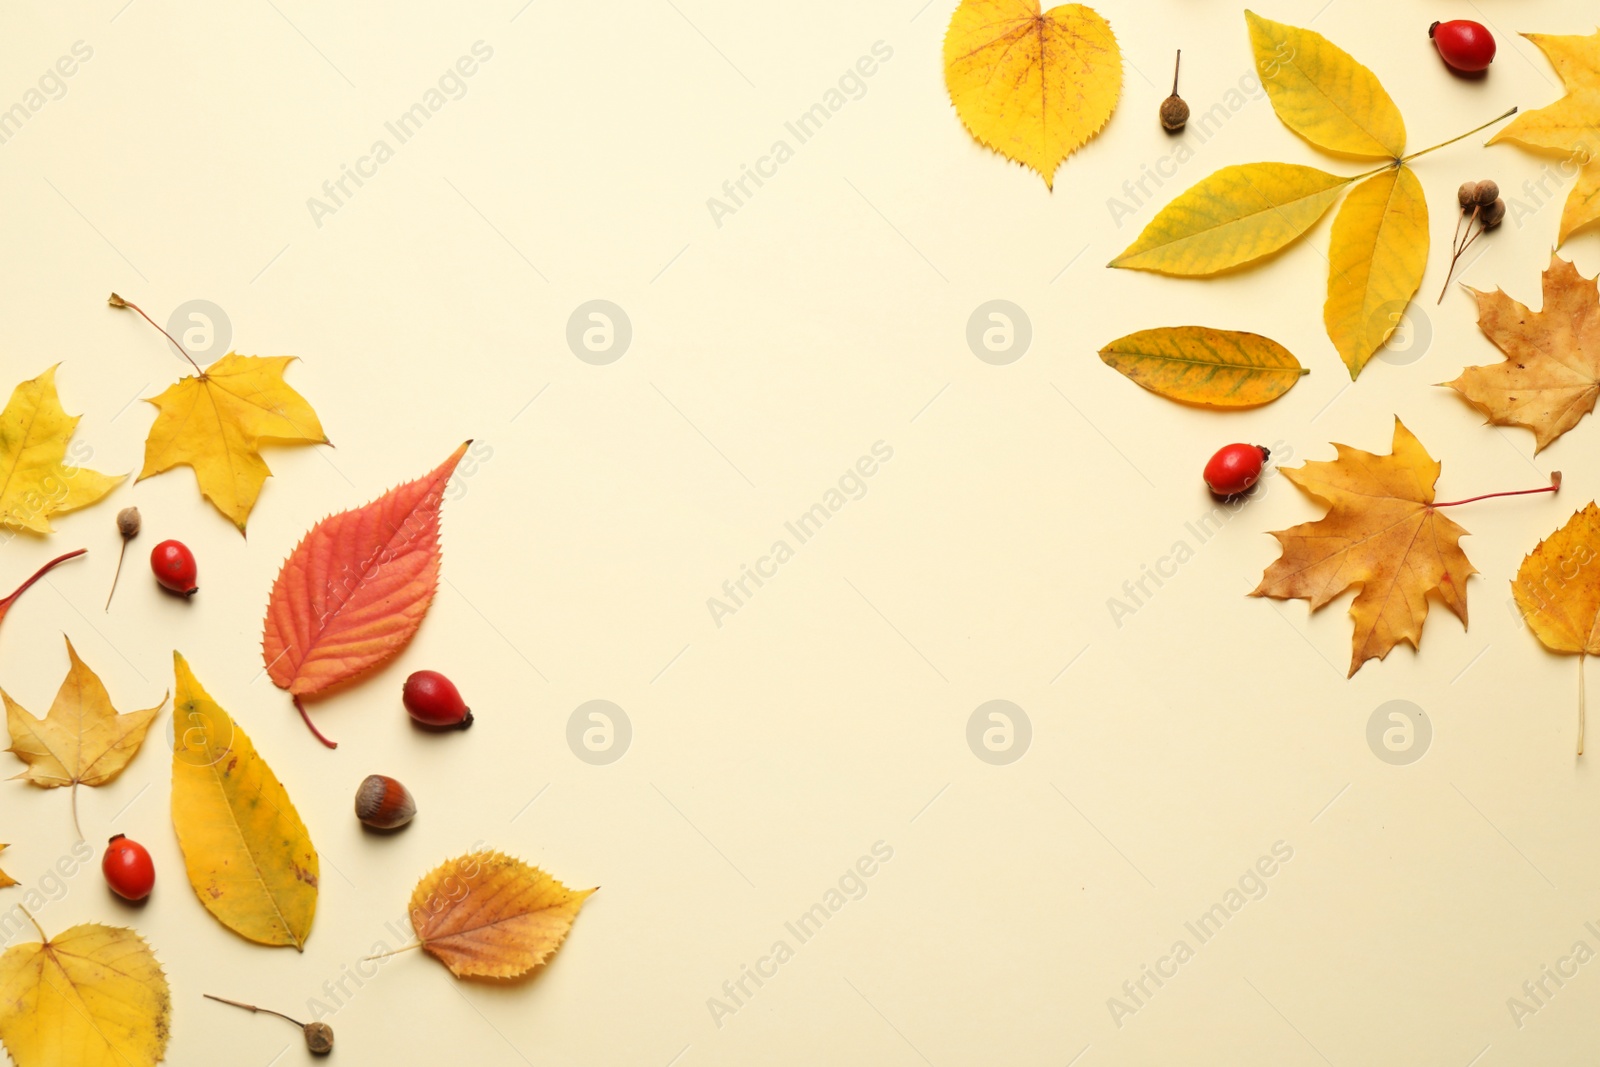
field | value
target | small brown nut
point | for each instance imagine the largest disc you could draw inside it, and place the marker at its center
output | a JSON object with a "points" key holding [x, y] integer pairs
{"points": [[319, 1038], [383, 803], [1487, 192], [1467, 195], [1174, 113], [1489, 217], [128, 523]]}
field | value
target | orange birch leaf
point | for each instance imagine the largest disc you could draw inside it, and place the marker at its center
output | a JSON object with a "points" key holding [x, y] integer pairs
{"points": [[490, 915], [355, 589]]}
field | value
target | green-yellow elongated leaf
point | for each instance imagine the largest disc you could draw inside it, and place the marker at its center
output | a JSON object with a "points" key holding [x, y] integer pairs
{"points": [[1237, 215], [1376, 256], [1323, 94], [1199, 365], [247, 853]]}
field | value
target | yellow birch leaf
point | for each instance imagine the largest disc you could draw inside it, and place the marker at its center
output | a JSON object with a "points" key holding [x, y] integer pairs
{"points": [[247, 853], [6, 881], [1199, 365], [1033, 87], [94, 996], [1323, 94], [1235, 216], [82, 740], [1583, 203], [1376, 256], [1558, 592], [217, 421], [34, 482], [490, 915]]}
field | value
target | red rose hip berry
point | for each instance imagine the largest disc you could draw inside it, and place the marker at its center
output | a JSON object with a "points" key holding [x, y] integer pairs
{"points": [[433, 700], [128, 869], [174, 567], [1235, 468], [1463, 45]]}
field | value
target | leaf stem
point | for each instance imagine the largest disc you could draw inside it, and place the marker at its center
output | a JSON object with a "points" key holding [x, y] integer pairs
{"points": [[1555, 485], [117, 575], [1453, 140], [5, 604], [42, 935], [1580, 703], [312, 726], [393, 952], [252, 1007], [117, 302], [75, 825], [1176, 63]]}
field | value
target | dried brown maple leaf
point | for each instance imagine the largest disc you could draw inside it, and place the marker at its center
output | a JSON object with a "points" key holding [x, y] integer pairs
{"points": [[1383, 533], [1550, 377]]}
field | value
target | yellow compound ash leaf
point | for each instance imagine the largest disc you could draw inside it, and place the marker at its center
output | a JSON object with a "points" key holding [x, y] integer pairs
{"points": [[490, 915], [1376, 256], [1199, 365], [217, 421], [247, 853], [94, 996], [1323, 94], [82, 740], [1550, 376], [1235, 216], [1571, 125], [1382, 534], [35, 483], [1558, 590], [6, 881], [1032, 86]]}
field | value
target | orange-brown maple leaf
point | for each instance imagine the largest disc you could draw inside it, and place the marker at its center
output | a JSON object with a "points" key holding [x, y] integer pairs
{"points": [[1550, 377], [1381, 534]]}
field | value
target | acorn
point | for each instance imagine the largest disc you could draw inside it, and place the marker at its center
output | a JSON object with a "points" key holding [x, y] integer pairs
{"points": [[383, 803], [1174, 112]]}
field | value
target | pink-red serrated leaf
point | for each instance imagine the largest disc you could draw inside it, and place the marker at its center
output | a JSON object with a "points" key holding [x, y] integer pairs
{"points": [[355, 589]]}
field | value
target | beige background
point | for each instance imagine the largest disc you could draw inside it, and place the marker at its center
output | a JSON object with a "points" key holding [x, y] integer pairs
{"points": [[830, 712]]}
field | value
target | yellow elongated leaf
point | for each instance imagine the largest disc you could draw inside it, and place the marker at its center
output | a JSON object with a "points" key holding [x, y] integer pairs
{"points": [[35, 483], [216, 422], [1199, 365], [1376, 256], [1557, 589], [247, 853], [82, 740], [6, 881], [93, 996], [1583, 202], [1323, 94], [490, 915], [1235, 216], [1032, 86]]}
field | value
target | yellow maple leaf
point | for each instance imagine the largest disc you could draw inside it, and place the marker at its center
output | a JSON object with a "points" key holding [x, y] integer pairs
{"points": [[1570, 126], [1323, 94], [1557, 589], [490, 915], [1383, 534], [246, 851], [94, 996], [1550, 376], [81, 740], [1032, 86], [34, 482], [217, 421], [6, 881], [1199, 365], [1376, 256]]}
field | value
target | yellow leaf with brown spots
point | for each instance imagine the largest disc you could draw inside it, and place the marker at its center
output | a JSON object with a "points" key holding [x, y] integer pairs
{"points": [[247, 854]]}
